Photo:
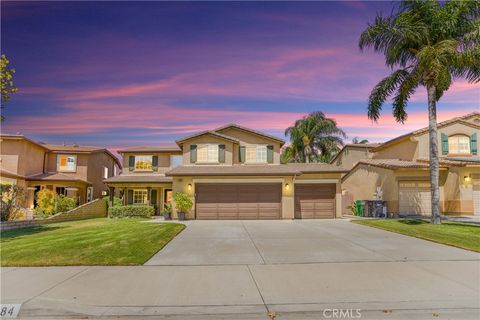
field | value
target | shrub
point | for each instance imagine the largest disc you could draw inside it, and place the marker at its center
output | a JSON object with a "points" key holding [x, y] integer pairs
{"points": [[117, 202], [45, 202], [183, 203], [65, 203], [131, 211], [11, 196]]}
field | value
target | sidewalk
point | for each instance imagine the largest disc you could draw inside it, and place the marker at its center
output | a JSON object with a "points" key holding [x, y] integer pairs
{"points": [[296, 291]]}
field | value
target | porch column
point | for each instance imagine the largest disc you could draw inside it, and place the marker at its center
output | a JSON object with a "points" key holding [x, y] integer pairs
{"points": [[124, 195], [149, 195], [111, 195]]}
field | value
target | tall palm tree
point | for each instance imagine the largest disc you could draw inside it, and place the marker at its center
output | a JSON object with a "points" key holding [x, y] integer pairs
{"points": [[313, 138], [428, 44]]}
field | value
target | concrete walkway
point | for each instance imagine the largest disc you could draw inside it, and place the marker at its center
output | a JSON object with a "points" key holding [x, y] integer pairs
{"points": [[393, 277]]}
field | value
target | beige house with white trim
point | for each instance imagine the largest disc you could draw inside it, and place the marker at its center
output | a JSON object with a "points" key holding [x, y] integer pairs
{"points": [[232, 172], [399, 171]]}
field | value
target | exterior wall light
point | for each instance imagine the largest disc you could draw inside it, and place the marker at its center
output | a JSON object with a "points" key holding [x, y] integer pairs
{"points": [[467, 178], [287, 186], [189, 187]]}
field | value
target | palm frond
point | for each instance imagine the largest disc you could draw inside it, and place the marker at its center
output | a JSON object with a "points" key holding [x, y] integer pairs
{"points": [[405, 91], [382, 91]]}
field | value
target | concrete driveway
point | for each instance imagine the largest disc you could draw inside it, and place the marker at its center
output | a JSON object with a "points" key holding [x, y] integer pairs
{"points": [[297, 241], [249, 269]]}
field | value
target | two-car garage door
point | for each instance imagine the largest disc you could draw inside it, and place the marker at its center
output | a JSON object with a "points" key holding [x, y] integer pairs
{"points": [[414, 198], [238, 201]]}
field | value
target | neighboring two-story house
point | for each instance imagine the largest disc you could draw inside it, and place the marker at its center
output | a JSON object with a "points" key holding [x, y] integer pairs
{"points": [[75, 171], [231, 172], [399, 170]]}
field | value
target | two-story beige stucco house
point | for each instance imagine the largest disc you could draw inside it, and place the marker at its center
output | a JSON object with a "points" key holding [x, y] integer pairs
{"points": [[75, 171], [231, 172], [399, 170]]}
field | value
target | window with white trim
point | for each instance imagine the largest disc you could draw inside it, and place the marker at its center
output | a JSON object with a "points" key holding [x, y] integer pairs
{"points": [[66, 163], [176, 160], [143, 163], [105, 173], [459, 144], [140, 197], [207, 153], [256, 154]]}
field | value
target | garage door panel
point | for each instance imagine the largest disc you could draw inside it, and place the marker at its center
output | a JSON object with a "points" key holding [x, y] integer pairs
{"points": [[207, 211], [315, 201]]}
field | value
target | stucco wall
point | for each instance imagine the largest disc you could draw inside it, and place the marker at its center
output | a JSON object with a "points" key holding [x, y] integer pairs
{"points": [[21, 156], [95, 172], [350, 156], [404, 150], [362, 183]]}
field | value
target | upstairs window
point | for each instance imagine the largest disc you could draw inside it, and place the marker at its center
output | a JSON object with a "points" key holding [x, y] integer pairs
{"points": [[207, 153], [105, 173], [66, 163], [256, 154], [459, 144], [143, 163], [176, 161]]}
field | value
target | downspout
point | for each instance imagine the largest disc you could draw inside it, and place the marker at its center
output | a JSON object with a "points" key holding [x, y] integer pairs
{"points": [[44, 161]]}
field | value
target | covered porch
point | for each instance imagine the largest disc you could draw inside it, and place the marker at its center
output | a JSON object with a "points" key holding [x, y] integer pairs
{"points": [[141, 190], [80, 190]]}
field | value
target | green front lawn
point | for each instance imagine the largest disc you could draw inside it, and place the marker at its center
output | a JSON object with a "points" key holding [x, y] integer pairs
{"points": [[87, 242], [459, 235]]}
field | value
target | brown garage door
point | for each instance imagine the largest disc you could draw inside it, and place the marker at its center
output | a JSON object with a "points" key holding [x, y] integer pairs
{"points": [[238, 201], [314, 201]]}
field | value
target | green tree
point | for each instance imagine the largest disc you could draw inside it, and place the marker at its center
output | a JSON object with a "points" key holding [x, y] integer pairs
{"points": [[45, 202], [357, 140], [11, 199], [314, 138], [6, 77], [426, 43]]}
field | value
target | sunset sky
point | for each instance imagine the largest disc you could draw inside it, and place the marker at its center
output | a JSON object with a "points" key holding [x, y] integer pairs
{"points": [[122, 74]]}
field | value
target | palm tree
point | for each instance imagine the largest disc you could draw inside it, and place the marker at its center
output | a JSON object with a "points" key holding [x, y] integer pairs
{"points": [[429, 44], [357, 140], [314, 138]]}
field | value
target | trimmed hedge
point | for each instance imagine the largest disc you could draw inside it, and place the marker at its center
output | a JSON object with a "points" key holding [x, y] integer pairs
{"points": [[131, 211]]}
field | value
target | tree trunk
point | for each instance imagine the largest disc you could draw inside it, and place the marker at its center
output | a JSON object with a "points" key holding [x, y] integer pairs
{"points": [[434, 162]]}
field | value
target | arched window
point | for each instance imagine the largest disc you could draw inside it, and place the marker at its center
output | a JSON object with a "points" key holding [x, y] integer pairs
{"points": [[459, 144]]}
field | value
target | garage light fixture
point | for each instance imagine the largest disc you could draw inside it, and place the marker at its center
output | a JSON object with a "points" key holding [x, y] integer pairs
{"points": [[467, 178]]}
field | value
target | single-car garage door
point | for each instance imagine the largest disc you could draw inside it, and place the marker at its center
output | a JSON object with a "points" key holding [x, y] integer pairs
{"points": [[414, 198], [314, 201], [238, 201]]}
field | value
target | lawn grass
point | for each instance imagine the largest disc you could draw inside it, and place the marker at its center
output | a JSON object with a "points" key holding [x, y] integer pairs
{"points": [[88, 242], [461, 235]]}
